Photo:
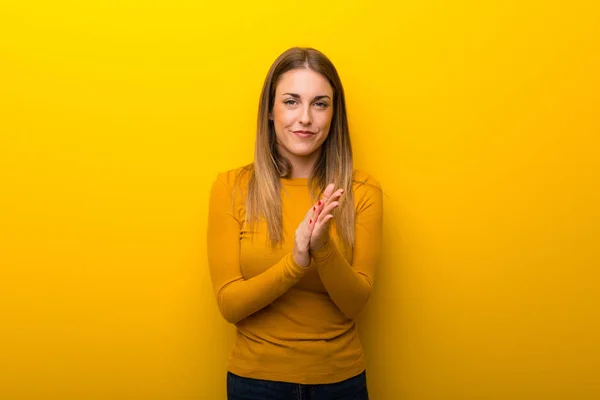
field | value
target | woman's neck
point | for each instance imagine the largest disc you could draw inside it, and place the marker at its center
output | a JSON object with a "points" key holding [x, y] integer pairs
{"points": [[302, 166]]}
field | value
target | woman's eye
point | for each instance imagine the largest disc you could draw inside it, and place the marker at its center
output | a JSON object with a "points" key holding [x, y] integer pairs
{"points": [[290, 102], [321, 104]]}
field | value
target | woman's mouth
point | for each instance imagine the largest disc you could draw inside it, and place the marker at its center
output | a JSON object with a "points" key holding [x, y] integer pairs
{"points": [[304, 134]]}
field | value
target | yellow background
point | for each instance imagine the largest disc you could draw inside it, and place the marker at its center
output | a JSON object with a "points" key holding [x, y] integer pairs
{"points": [[479, 118]]}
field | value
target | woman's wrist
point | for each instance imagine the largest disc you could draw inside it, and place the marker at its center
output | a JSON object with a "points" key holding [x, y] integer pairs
{"points": [[301, 258], [320, 246]]}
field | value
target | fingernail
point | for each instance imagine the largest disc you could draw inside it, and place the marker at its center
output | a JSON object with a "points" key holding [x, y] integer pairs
{"points": [[310, 221], [319, 202], [314, 208]]}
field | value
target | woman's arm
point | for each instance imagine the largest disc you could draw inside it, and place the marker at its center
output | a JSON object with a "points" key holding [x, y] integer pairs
{"points": [[349, 286], [238, 298]]}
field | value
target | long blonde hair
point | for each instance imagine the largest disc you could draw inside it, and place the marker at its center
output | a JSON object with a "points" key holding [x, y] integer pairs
{"points": [[334, 164]]}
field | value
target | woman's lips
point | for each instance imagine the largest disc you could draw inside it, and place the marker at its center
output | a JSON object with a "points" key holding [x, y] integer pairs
{"points": [[303, 134]]}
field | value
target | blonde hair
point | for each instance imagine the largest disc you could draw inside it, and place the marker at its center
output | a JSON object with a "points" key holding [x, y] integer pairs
{"points": [[334, 164]]}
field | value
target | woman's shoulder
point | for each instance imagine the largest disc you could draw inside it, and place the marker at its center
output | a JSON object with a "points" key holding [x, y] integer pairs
{"points": [[367, 191], [364, 181], [232, 186], [235, 177]]}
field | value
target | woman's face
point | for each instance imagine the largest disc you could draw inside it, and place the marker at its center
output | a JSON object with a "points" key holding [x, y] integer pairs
{"points": [[302, 112]]}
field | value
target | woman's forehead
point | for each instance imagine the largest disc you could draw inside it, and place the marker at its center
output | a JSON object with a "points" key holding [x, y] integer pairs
{"points": [[304, 82]]}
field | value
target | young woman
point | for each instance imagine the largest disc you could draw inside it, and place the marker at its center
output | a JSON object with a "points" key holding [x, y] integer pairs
{"points": [[293, 242]]}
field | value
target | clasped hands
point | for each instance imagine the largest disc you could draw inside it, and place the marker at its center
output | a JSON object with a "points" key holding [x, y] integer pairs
{"points": [[313, 231]]}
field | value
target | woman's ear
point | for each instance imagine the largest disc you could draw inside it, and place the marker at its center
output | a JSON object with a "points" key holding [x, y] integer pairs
{"points": [[271, 116]]}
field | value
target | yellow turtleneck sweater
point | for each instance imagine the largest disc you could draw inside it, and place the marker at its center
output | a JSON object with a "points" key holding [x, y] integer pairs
{"points": [[294, 324]]}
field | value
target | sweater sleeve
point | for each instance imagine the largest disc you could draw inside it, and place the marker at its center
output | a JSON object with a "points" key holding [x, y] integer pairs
{"points": [[349, 286], [238, 297]]}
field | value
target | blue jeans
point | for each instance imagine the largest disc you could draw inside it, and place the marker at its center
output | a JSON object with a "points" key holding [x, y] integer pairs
{"points": [[240, 388]]}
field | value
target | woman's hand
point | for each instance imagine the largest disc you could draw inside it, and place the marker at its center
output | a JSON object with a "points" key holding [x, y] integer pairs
{"points": [[324, 210], [302, 240]]}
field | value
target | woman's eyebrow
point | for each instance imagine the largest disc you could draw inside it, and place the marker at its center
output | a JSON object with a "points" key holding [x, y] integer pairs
{"points": [[297, 96]]}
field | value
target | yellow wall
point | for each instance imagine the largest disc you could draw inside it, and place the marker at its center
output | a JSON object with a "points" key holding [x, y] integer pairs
{"points": [[480, 119]]}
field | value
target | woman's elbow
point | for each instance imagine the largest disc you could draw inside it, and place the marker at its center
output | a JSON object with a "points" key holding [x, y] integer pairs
{"points": [[232, 319], [353, 310], [228, 310]]}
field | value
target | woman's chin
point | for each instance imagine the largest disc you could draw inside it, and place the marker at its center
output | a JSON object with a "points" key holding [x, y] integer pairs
{"points": [[303, 151]]}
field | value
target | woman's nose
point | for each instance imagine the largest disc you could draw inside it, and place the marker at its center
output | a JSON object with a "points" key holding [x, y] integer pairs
{"points": [[305, 117]]}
